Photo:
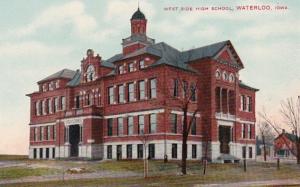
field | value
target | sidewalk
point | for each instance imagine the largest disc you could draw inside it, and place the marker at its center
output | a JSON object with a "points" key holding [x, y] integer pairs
{"points": [[255, 183]]}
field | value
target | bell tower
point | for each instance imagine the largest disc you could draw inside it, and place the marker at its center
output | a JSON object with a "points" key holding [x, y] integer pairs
{"points": [[138, 38], [138, 23]]}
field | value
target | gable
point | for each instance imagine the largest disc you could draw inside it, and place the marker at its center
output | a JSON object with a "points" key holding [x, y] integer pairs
{"points": [[228, 55]]}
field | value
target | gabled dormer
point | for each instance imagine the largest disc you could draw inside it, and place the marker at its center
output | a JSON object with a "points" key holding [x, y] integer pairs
{"points": [[90, 67]]}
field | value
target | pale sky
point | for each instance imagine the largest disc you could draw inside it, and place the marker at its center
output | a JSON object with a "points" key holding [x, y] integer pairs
{"points": [[38, 38]]}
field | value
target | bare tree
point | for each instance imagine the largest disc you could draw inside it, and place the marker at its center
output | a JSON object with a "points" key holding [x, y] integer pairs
{"points": [[144, 138], [290, 111], [184, 95], [266, 135]]}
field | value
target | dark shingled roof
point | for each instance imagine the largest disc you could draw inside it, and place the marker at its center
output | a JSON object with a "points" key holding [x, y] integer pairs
{"points": [[76, 79], [65, 73], [138, 15], [203, 52], [243, 85], [167, 55], [173, 57]]}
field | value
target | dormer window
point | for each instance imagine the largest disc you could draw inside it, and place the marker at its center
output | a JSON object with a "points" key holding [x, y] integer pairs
{"points": [[142, 64], [131, 67], [121, 69], [90, 73]]}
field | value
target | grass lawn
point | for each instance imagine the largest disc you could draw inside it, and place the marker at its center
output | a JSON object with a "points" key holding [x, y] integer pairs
{"points": [[13, 157], [18, 172], [161, 174]]}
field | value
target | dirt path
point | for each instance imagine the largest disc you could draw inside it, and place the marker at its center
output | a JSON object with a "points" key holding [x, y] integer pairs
{"points": [[94, 175]]}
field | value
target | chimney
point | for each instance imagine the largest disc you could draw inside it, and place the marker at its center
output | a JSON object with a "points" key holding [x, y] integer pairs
{"points": [[283, 131]]}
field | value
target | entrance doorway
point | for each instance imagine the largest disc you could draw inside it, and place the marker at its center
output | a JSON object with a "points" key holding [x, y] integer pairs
{"points": [[74, 133], [224, 138]]}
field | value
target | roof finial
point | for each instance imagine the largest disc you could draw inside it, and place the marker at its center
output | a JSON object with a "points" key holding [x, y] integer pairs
{"points": [[138, 4]]}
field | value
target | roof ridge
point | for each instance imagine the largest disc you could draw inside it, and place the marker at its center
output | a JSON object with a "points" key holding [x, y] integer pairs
{"points": [[209, 45]]}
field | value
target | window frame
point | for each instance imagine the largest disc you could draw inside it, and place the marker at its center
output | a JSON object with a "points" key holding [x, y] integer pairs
{"points": [[121, 93], [120, 126], [141, 123], [130, 125], [153, 88], [153, 123], [174, 151], [109, 127], [130, 92]]}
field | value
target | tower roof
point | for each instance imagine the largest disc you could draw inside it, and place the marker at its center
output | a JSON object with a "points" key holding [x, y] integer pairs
{"points": [[138, 15]]}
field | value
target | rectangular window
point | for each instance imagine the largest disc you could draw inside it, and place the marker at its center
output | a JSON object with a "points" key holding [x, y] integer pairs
{"points": [[47, 152], [119, 152], [41, 153], [130, 125], [194, 151], [243, 130], [111, 95], [44, 107], [53, 152], [174, 123], [153, 123], [141, 124], [121, 94], [53, 132], [140, 150], [153, 88], [41, 133], [193, 92], [130, 92], [244, 151], [34, 153], [109, 127], [142, 64], [141, 90], [250, 152], [249, 104], [47, 132], [131, 67], [151, 151], [50, 105], [129, 151], [77, 101], [193, 127], [175, 87], [249, 131], [120, 127], [55, 104], [174, 150], [35, 134], [185, 89], [244, 103], [63, 102], [109, 152]]}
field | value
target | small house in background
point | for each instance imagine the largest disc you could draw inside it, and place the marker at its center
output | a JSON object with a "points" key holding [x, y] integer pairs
{"points": [[260, 148], [285, 145]]}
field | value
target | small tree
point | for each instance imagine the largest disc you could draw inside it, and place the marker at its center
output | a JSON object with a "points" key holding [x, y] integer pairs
{"points": [[266, 135], [290, 111], [144, 138]]}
